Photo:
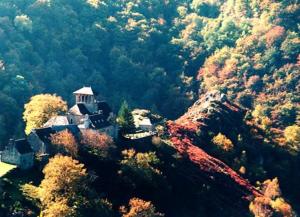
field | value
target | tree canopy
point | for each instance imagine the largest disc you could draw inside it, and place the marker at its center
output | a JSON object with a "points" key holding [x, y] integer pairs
{"points": [[41, 108], [151, 53], [160, 56], [63, 186]]}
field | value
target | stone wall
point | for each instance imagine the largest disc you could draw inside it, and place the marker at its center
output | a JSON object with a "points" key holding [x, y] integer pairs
{"points": [[11, 156], [26, 161], [36, 144], [111, 130], [75, 119]]}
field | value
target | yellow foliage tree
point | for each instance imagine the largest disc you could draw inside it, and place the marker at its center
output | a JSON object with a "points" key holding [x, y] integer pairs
{"points": [[94, 3], [266, 123], [140, 168], [62, 187], [223, 142], [41, 108], [292, 136], [59, 209], [258, 112], [140, 161], [141, 208]]}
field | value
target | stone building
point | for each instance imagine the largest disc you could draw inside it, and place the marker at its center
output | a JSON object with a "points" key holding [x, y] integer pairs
{"points": [[40, 139], [90, 113], [18, 152], [145, 120], [87, 113]]}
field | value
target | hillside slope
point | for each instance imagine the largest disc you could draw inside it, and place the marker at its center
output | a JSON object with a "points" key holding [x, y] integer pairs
{"points": [[184, 134]]}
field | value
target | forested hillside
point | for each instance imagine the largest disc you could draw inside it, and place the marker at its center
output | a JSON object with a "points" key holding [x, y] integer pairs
{"points": [[224, 73], [150, 53]]}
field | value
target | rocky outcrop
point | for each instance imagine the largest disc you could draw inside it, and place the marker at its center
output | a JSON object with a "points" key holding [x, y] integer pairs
{"points": [[213, 112]]}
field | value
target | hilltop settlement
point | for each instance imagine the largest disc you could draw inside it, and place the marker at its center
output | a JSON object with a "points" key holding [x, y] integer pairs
{"points": [[88, 113]]}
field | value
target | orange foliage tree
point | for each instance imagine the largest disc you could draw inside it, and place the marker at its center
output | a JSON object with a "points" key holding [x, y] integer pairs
{"points": [[274, 34], [98, 143], [65, 140], [271, 203]]}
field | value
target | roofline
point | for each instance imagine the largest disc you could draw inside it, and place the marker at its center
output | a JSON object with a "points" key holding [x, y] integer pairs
{"points": [[82, 94], [85, 94], [20, 139]]}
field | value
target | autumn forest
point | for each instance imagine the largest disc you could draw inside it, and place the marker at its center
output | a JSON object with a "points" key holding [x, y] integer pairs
{"points": [[199, 99]]}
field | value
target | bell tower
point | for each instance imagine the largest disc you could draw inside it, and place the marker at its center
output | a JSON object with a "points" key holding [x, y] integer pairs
{"points": [[85, 96]]}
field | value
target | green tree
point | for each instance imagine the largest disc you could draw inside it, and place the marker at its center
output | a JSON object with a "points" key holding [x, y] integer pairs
{"points": [[287, 114], [41, 108], [140, 167], [125, 119], [291, 46], [206, 9], [8, 117]]}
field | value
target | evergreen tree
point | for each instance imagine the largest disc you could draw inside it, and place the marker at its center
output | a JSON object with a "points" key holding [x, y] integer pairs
{"points": [[125, 119]]}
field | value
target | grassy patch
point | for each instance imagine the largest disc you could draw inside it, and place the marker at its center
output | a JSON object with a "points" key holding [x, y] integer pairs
{"points": [[5, 168]]}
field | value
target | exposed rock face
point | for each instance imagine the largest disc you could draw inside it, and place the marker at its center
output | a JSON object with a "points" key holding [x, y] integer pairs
{"points": [[213, 112]]}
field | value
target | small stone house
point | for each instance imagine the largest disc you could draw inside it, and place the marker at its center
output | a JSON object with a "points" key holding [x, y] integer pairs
{"points": [[144, 124], [144, 120], [18, 152], [40, 139]]}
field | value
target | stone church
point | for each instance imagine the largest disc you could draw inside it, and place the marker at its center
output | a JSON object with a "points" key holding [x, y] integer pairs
{"points": [[88, 113]]}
